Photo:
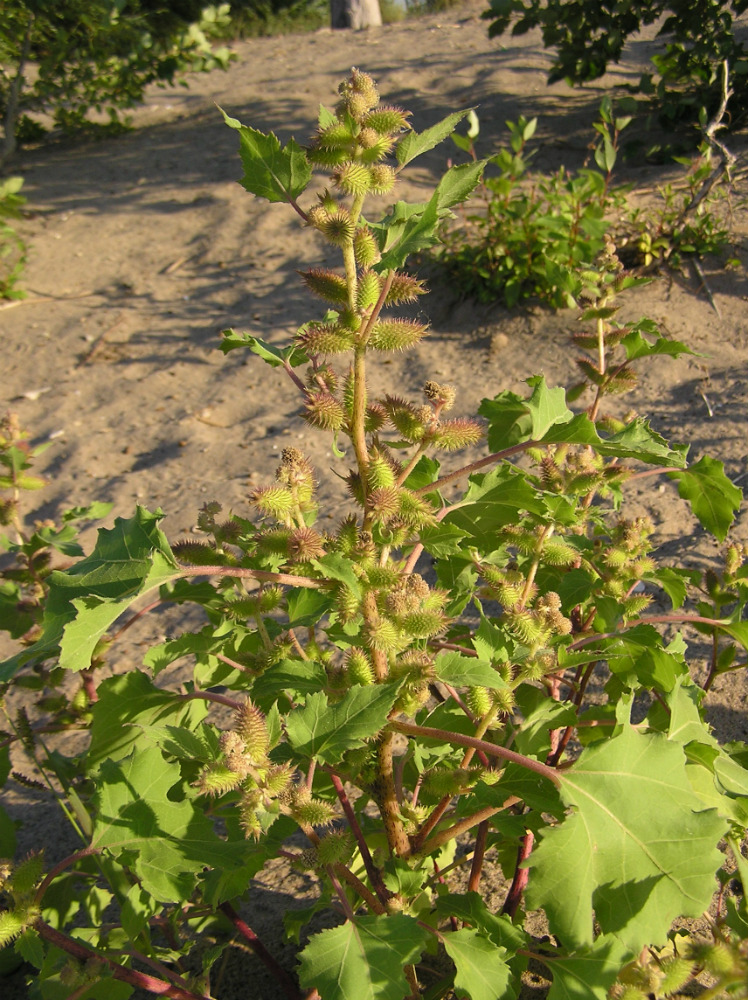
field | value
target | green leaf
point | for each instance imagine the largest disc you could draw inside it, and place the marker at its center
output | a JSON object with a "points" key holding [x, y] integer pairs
{"points": [[199, 644], [363, 959], [481, 969], [442, 540], [470, 907], [418, 233], [738, 631], [713, 498], [128, 560], [298, 677], [127, 702], [306, 607], [589, 973], [546, 407], [336, 566], [271, 172], [493, 500], [544, 417], [325, 731], [457, 184], [634, 853], [637, 346], [273, 356], [167, 841], [462, 671], [419, 230], [414, 144]]}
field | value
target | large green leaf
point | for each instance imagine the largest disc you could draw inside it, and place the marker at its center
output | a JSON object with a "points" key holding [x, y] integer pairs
{"points": [[713, 497], [270, 171], [547, 407], [634, 853], [589, 973], [129, 559], [363, 959], [166, 839], [481, 969], [326, 731], [130, 701], [493, 500], [544, 417]]}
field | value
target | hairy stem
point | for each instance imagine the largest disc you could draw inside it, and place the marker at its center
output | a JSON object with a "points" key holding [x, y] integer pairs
{"points": [[386, 798], [467, 470], [450, 833], [241, 572], [358, 418], [60, 867], [480, 853], [358, 886]]}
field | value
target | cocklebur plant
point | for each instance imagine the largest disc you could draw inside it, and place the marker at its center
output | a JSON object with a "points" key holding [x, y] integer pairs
{"points": [[434, 684]]}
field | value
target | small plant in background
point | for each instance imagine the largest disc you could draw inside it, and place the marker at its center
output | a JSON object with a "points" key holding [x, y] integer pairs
{"points": [[412, 688], [535, 234], [12, 248]]}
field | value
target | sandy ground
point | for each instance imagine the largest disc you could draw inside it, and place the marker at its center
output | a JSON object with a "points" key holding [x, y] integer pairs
{"points": [[144, 247]]}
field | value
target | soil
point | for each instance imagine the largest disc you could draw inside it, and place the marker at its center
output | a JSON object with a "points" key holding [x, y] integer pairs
{"points": [[144, 247]]}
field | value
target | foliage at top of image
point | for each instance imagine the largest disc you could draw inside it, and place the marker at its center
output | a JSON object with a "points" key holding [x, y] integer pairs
{"points": [[698, 36], [66, 58], [469, 671]]}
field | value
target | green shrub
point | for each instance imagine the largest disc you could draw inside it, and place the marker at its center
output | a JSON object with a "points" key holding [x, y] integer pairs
{"points": [[409, 687], [533, 235], [12, 247], [95, 55]]}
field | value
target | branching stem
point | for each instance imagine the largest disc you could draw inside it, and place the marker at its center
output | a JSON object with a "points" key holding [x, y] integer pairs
{"points": [[490, 749], [240, 572], [140, 980]]}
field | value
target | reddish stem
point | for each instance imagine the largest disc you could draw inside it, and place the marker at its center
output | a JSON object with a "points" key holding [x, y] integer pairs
{"points": [[468, 470], [480, 853], [375, 876], [85, 852], [131, 621], [89, 686], [521, 875], [287, 984], [470, 742], [219, 699], [140, 980]]}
